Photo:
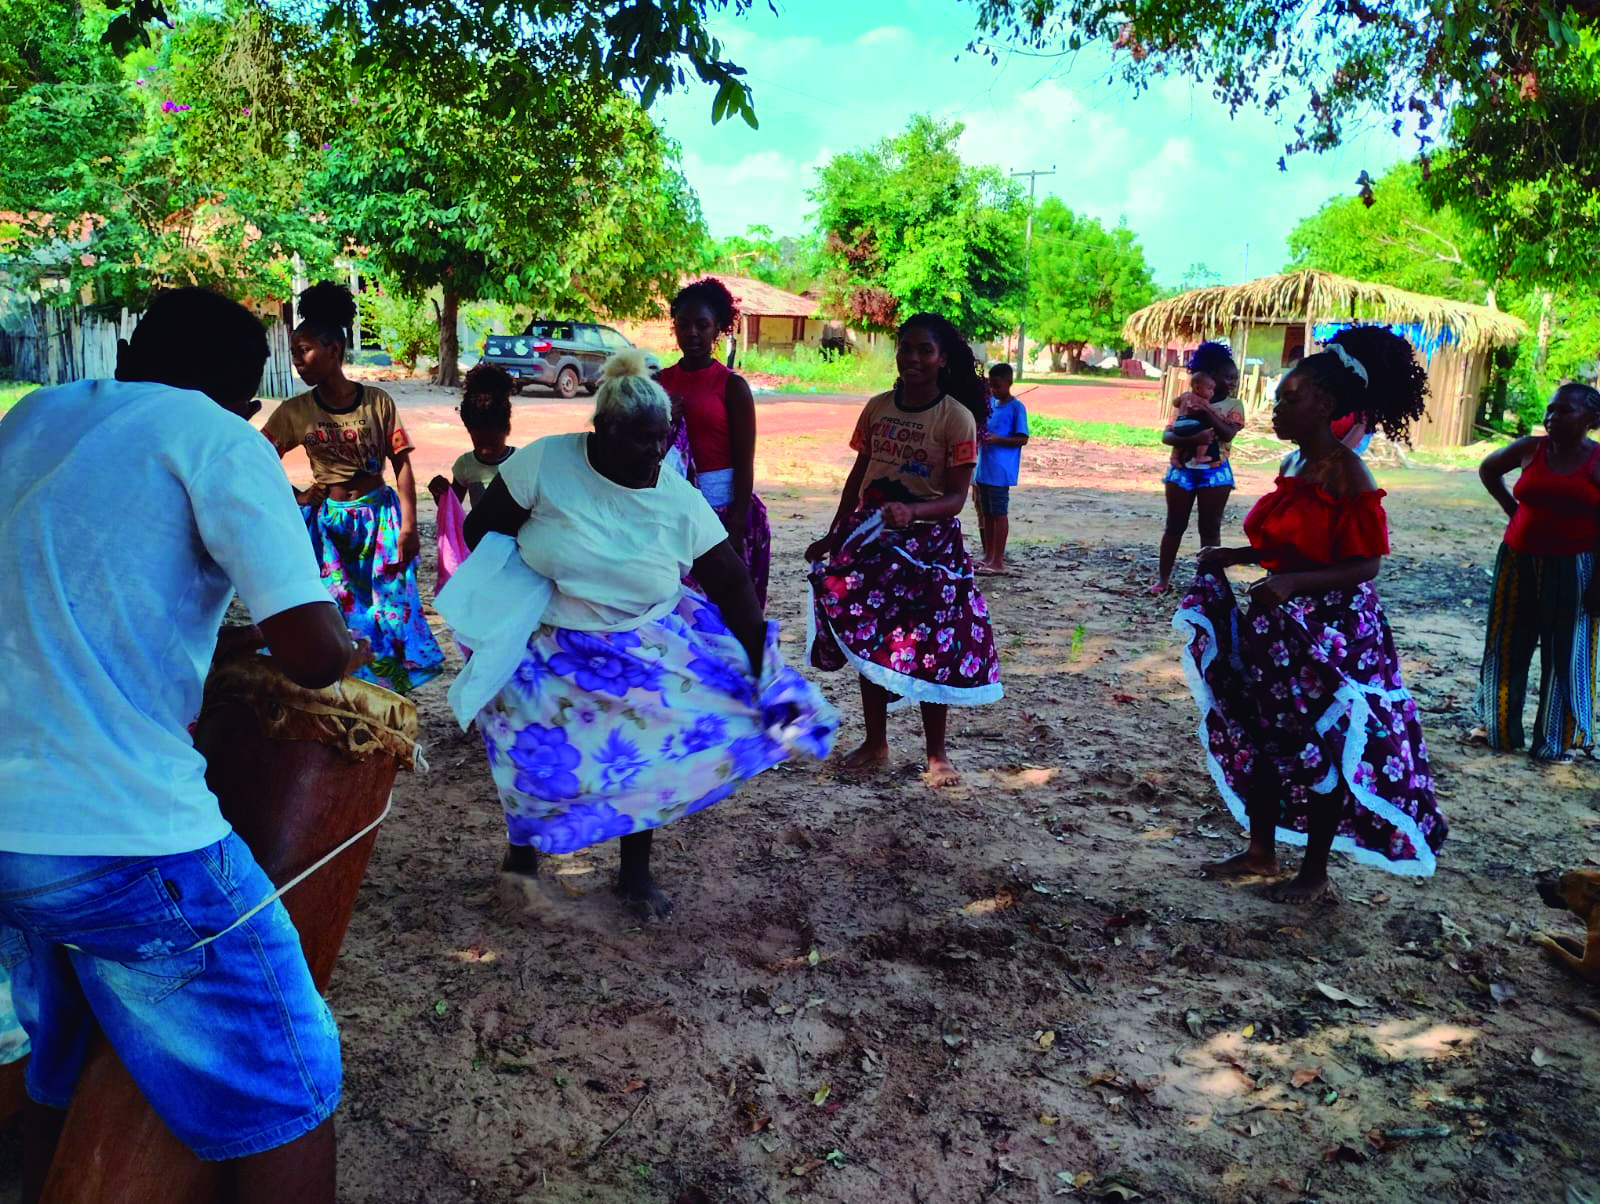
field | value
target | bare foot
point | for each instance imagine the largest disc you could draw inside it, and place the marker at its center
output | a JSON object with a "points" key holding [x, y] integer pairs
{"points": [[1248, 864], [941, 773], [1157, 588], [520, 859], [868, 756], [642, 897], [1303, 889]]}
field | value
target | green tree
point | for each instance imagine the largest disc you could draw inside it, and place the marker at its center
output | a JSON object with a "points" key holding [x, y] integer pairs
{"points": [[1400, 240], [118, 174], [907, 226], [1085, 281], [1508, 92], [784, 261], [445, 51], [579, 211]]}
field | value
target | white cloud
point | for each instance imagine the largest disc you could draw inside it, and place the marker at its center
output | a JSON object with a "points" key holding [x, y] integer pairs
{"points": [[839, 74]]}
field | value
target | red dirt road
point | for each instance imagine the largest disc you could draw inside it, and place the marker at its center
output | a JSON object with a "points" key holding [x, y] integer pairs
{"points": [[430, 417]]}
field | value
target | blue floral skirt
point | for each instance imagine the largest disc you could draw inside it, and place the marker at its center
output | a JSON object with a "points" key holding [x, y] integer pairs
{"points": [[604, 733], [358, 547]]}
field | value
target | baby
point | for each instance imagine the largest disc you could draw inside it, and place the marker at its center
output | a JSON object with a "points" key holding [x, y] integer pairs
{"points": [[1202, 388]]}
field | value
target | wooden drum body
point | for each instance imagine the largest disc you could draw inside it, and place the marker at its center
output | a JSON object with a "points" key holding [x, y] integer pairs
{"points": [[297, 772]]}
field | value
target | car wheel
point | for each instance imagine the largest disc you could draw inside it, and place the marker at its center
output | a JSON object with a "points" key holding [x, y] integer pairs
{"points": [[567, 383]]}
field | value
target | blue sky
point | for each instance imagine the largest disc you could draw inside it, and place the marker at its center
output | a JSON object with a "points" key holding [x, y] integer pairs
{"points": [[834, 75]]}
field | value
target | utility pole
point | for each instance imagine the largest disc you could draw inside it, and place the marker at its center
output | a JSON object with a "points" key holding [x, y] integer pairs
{"points": [[1027, 249]]}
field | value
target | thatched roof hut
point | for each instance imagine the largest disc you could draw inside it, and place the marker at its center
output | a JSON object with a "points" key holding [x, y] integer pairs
{"points": [[1276, 319]]}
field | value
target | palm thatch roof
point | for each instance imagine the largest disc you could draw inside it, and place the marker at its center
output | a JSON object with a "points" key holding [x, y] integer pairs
{"points": [[1311, 296]]}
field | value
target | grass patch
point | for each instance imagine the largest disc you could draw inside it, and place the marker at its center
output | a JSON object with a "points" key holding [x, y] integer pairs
{"points": [[1103, 434], [807, 370], [13, 391]]}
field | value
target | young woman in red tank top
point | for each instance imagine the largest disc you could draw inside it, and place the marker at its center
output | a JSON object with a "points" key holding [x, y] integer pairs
{"points": [[715, 406], [1546, 594]]}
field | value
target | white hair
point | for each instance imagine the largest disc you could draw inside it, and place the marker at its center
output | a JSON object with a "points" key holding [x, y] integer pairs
{"points": [[626, 391]]}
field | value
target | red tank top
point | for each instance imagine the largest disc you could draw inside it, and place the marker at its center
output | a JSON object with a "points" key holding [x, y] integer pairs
{"points": [[1558, 514], [703, 395]]}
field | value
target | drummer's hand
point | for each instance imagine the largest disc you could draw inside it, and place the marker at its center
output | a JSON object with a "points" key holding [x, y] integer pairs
{"points": [[896, 515], [313, 497], [820, 551], [233, 640], [360, 655], [410, 545]]}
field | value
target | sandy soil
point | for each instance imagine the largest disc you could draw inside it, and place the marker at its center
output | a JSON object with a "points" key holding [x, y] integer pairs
{"points": [[1015, 990]]}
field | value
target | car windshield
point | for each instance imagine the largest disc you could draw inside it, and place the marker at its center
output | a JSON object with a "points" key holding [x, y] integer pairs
{"points": [[549, 330]]}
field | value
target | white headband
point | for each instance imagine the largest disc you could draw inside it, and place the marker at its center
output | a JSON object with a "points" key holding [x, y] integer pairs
{"points": [[1349, 361]]}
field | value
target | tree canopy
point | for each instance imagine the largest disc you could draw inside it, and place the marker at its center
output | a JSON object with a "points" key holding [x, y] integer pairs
{"points": [[784, 261], [907, 226], [444, 50], [1500, 102], [1084, 280], [1400, 240]]}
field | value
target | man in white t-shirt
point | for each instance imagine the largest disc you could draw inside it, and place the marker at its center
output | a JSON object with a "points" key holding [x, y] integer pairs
{"points": [[133, 510]]}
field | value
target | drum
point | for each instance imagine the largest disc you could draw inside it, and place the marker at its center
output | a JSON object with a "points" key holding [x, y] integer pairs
{"points": [[299, 773]]}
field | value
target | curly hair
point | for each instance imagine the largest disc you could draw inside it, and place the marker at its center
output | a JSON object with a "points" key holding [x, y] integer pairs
{"points": [[960, 377], [1395, 393], [328, 311], [486, 398], [193, 338], [1210, 358], [714, 295]]}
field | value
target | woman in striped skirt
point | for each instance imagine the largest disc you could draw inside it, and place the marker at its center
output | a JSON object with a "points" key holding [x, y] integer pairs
{"points": [[1546, 595]]}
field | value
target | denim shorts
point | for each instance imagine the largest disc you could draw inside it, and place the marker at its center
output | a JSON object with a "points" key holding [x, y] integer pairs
{"points": [[230, 1043], [1200, 478], [994, 501]]}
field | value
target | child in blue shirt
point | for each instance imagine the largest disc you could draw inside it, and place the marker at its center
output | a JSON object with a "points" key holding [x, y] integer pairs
{"points": [[999, 461]]}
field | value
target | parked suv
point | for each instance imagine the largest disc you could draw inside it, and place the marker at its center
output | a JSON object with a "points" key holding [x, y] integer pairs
{"points": [[564, 356]]}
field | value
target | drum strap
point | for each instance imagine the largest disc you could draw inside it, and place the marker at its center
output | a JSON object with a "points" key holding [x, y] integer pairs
{"points": [[282, 890]]}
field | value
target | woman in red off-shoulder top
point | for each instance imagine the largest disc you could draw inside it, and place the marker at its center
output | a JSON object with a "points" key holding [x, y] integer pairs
{"points": [[1307, 728]]}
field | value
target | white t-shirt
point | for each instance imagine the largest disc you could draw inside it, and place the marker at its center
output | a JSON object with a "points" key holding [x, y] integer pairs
{"points": [[129, 513], [617, 555]]}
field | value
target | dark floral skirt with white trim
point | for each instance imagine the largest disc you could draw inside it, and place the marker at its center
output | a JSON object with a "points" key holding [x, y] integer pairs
{"points": [[903, 609], [1313, 689]]}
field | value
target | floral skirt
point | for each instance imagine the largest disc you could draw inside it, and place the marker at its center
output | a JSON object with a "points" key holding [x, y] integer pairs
{"points": [[757, 546], [357, 543], [904, 610], [1311, 693], [605, 733]]}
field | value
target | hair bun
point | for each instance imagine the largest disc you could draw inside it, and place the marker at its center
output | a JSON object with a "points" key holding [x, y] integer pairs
{"points": [[328, 303], [631, 362]]}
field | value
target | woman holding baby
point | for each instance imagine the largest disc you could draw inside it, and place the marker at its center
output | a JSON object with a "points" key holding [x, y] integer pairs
{"points": [[1204, 421]]}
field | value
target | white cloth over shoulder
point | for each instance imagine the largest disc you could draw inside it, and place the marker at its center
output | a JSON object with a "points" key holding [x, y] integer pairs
{"points": [[493, 603]]}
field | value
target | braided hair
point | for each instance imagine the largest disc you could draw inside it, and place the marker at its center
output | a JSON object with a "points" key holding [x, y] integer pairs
{"points": [[714, 295], [328, 312], [960, 377], [1585, 395], [486, 398], [1395, 393]]}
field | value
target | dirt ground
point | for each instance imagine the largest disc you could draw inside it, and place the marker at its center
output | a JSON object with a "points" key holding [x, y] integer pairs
{"points": [[1014, 990]]}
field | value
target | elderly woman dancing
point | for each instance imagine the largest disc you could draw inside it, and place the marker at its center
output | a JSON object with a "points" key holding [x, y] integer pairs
{"points": [[611, 699], [1307, 729]]}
